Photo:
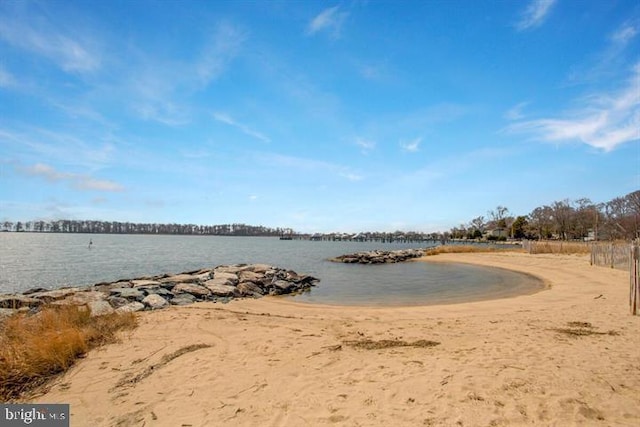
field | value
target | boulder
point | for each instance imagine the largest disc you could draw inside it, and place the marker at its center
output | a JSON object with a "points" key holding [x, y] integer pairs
{"points": [[190, 288], [231, 277], [180, 278], [145, 283], [228, 269], [18, 301], [249, 289], [250, 276], [220, 281], [99, 308], [283, 287], [222, 290], [128, 293], [55, 295], [259, 268], [155, 302], [131, 307], [117, 302], [183, 299]]}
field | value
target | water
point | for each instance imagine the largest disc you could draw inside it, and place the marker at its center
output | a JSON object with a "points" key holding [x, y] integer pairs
{"points": [[29, 260]]}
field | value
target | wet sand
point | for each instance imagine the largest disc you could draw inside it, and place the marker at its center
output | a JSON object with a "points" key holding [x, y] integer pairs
{"points": [[569, 355]]}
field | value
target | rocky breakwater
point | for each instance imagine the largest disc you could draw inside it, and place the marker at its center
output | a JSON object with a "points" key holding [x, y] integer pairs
{"points": [[380, 257], [220, 284]]}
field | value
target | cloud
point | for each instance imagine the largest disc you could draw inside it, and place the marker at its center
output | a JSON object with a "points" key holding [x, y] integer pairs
{"points": [[366, 145], [6, 78], [606, 121], [330, 20], [411, 146], [515, 112], [226, 119], [605, 65], [78, 181], [535, 14], [625, 33], [70, 52], [223, 47]]}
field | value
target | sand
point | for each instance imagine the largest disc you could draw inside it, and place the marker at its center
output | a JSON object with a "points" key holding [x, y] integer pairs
{"points": [[568, 355]]}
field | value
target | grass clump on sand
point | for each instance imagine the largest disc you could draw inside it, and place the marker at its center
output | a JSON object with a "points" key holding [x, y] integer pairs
{"points": [[459, 249], [367, 344], [34, 348]]}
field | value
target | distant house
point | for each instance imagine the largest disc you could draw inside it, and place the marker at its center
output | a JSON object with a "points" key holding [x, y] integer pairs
{"points": [[498, 232]]}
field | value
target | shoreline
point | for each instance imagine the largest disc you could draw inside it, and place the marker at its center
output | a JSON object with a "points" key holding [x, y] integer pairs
{"points": [[270, 361]]}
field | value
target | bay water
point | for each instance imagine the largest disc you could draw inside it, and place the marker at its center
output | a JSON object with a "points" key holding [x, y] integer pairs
{"points": [[51, 260]]}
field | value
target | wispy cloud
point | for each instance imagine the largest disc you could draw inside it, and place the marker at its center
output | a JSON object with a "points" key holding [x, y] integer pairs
{"points": [[625, 33], [535, 14], [223, 46], [411, 146], [7, 80], [366, 145], [606, 120], [78, 181], [607, 63], [226, 119], [308, 166], [72, 52], [515, 112], [329, 20]]}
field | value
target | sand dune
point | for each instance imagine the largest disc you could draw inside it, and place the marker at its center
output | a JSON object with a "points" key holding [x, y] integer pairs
{"points": [[569, 355]]}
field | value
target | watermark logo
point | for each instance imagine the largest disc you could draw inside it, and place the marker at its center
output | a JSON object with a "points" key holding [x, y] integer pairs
{"points": [[34, 415]]}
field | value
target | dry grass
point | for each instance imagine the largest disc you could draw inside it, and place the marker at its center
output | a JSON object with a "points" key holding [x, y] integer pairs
{"points": [[581, 329], [382, 344], [459, 249], [34, 348], [558, 247]]}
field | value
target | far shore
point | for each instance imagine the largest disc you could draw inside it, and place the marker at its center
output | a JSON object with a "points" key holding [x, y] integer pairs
{"points": [[564, 356]]}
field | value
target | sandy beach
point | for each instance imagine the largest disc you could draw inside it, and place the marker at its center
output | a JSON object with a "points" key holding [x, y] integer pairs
{"points": [[568, 355]]}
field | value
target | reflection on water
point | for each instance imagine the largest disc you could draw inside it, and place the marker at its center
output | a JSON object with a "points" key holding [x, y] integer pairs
{"points": [[30, 260]]}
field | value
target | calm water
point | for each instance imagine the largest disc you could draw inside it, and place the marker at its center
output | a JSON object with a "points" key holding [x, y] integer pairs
{"points": [[30, 260]]}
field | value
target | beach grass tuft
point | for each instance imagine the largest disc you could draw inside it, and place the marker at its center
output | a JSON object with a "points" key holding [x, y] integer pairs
{"points": [[460, 249], [368, 344], [36, 347]]}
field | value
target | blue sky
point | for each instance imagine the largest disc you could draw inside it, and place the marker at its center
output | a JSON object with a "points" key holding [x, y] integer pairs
{"points": [[320, 116]]}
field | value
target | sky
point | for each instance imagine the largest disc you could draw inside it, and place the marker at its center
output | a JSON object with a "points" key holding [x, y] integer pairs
{"points": [[321, 116]]}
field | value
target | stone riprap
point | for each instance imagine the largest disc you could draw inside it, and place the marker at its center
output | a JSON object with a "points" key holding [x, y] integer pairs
{"points": [[380, 257], [220, 284]]}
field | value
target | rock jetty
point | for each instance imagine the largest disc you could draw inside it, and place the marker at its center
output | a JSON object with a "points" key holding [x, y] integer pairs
{"points": [[220, 284], [380, 257]]}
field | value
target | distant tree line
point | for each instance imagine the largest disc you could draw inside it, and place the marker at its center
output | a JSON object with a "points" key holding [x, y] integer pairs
{"points": [[115, 227], [579, 219]]}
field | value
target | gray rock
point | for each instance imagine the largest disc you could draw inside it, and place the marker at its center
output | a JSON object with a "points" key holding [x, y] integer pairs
{"points": [[128, 293], [144, 283], [18, 301], [259, 268], [249, 289], [155, 302], [228, 269], [180, 278], [158, 291], [250, 276], [283, 287], [55, 295], [230, 277], [131, 307], [190, 288], [220, 281], [117, 302], [183, 299], [99, 308], [222, 290]]}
